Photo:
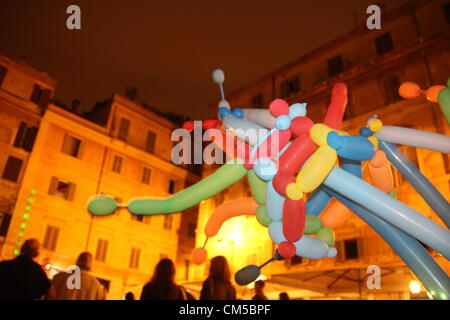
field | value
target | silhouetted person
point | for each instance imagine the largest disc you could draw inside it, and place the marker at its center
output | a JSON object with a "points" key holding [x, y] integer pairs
{"points": [[22, 278], [218, 285], [66, 286], [284, 296], [162, 285], [129, 296], [259, 291]]}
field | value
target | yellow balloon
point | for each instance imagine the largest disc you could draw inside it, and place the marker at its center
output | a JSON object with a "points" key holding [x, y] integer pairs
{"points": [[375, 125], [319, 133], [293, 192], [315, 171]]}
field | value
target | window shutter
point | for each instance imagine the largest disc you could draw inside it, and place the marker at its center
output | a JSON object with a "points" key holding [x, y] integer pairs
{"points": [[30, 137], [20, 135], [36, 94], [53, 186], [45, 98], [54, 238], [340, 251], [71, 195]]}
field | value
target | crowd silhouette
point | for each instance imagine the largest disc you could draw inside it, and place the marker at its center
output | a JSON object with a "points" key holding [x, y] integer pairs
{"points": [[22, 278]]}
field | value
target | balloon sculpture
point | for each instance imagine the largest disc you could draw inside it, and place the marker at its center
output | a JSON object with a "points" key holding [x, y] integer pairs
{"points": [[306, 179]]}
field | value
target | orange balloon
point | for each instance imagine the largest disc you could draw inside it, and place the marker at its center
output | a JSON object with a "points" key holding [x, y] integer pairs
{"points": [[228, 210], [335, 214], [433, 92], [409, 90], [199, 255], [380, 172]]}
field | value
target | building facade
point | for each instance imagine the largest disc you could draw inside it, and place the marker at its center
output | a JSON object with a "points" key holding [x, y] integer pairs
{"points": [[123, 150], [412, 45]]}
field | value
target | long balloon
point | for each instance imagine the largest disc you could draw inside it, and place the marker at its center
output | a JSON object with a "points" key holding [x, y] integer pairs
{"points": [[390, 209], [425, 188], [415, 138]]}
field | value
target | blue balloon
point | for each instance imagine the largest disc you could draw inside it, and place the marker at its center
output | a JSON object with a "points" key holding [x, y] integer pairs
{"points": [[224, 112], [297, 110], [390, 209], [276, 232], [265, 168], [283, 122], [317, 202], [356, 148], [423, 186], [412, 252], [274, 203], [365, 132], [238, 113]]}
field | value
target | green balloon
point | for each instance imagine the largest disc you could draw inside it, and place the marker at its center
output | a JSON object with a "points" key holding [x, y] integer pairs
{"points": [[326, 234], [257, 186], [261, 216], [102, 205], [226, 175], [312, 224], [444, 102]]}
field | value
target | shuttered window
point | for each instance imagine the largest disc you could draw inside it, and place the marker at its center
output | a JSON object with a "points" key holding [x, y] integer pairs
{"points": [[26, 134], [72, 146], [50, 238], [134, 258], [117, 164], [102, 250], [146, 175], [62, 189], [150, 144], [124, 127], [40, 96], [12, 169]]}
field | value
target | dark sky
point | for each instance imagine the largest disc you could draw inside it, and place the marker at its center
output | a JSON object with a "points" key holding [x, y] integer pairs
{"points": [[168, 49]]}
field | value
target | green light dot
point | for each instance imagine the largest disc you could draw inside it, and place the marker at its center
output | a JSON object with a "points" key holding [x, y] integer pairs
{"points": [[33, 191], [26, 216], [30, 200], [18, 243], [28, 208], [20, 234], [23, 225], [16, 252]]}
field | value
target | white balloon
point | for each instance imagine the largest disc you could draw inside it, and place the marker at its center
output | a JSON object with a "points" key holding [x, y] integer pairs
{"points": [[218, 76]]}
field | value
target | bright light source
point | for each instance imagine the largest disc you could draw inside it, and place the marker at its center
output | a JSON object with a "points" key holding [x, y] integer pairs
{"points": [[261, 277], [414, 287], [430, 295], [48, 266]]}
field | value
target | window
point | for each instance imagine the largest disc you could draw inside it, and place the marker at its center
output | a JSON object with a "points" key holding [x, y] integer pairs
{"points": [[335, 66], [40, 96], [290, 86], [257, 101], [50, 238], [348, 249], [168, 219], [71, 146], [134, 258], [5, 220], [391, 85], [12, 169], [117, 164], [171, 186], [123, 129], [384, 43], [191, 229], [141, 218], [102, 249], [62, 189], [446, 8], [3, 72], [293, 261], [146, 174], [25, 136], [150, 144]]}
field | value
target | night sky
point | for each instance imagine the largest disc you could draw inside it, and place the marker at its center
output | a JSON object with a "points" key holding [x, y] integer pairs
{"points": [[168, 49]]}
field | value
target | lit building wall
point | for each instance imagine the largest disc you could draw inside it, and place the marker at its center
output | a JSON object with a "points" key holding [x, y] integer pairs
{"points": [[73, 159]]}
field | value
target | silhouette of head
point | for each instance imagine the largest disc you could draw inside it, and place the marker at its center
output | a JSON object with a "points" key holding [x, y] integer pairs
{"points": [[84, 261], [259, 285], [30, 248], [164, 271], [129, 296], [284, 296], [219, 270]]}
